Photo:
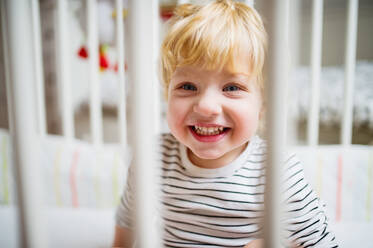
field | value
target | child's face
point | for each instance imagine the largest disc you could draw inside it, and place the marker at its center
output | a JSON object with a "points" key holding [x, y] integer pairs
{"points": [[213, 113]]}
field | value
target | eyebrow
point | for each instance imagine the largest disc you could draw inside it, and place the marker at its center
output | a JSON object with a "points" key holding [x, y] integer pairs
{"points": [[239, 76]]}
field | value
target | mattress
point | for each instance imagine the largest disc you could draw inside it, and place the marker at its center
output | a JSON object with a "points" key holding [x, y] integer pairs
{"points": [[83, 185]]}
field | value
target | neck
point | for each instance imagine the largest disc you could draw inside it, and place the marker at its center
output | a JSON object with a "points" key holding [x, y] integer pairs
{"points": [[218, 162]]}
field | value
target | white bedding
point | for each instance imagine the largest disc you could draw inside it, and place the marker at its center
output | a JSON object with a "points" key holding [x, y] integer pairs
{"points": [[83, 185], [76, 174], [65, 228], [80, 228], [331, 94]]}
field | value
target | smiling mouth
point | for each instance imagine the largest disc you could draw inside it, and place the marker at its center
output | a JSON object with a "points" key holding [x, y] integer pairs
{"points": [[209, 131]]}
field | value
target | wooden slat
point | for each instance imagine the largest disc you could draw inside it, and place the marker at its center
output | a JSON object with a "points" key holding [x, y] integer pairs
{"points": [[316, 50], [350, 61], [141, 69], [276, 12], [122, 122], [32, 232], [63, 72], [6, 68], [39, 76], [95, 100]]}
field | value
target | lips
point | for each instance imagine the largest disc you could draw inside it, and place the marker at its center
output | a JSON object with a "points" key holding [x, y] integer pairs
{"points": [[208, 133]]}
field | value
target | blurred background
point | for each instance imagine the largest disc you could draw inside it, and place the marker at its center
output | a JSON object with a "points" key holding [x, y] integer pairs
{"points": [[82, 184], [332, 77]]}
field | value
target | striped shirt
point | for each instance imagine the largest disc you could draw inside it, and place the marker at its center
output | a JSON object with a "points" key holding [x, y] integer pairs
{"points": [[223, 207]]}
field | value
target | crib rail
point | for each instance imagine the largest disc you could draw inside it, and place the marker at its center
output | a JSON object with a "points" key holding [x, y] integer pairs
{"points": [[95, 102], [350, 61], [121, 80], [277, 12], [4, 30], [141, 39], [39, 74], [63, 71], [316, 50], [25, 141]]}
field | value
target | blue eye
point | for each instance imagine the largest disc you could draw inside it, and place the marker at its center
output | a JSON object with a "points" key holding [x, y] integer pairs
{"points": [[188, 87], [231, 88]]}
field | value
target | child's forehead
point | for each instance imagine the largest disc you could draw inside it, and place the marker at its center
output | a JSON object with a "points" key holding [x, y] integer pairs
{"points": [[238, 61], [201, 71]]}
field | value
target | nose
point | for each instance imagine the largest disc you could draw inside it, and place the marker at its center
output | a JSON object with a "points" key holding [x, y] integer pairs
{"points": [[208, 105]]}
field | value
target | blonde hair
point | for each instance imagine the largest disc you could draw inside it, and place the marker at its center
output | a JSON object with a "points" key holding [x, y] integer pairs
{"points": [[212, 36]]}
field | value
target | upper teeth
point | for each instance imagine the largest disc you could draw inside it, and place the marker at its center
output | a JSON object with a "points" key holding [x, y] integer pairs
{"points": [[208, 130]]}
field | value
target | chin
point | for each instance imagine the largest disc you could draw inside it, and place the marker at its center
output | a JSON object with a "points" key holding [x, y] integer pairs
{"points": [[211, 155]]}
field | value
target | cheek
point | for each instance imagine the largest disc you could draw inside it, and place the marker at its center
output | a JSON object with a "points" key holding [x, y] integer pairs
{"points": [[249, 124], [247, 119], [175, 113]]}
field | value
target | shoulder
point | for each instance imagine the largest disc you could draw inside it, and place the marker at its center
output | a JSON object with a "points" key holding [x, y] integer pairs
{"points": [[168, 142], [255, 156], [290, 161], [289, 158], [169, 146], [259, 146], [170, 152], [167, 137]]}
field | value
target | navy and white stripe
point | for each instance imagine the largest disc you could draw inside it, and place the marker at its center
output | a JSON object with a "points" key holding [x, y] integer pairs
{"points": [[224, 207]]}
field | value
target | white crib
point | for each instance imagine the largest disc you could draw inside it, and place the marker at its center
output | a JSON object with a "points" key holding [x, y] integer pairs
{"points": [[75, 185]]}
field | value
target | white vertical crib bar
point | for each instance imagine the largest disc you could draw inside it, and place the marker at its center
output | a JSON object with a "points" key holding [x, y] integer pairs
{"points": [[95, 101], [25, 140], [156, 83], [6, 67], [63, 73], [39, 77], [295, 13], [350, 57], [294, 39], [141, 76], [121, 79], [316, 49], [276, 12]]}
